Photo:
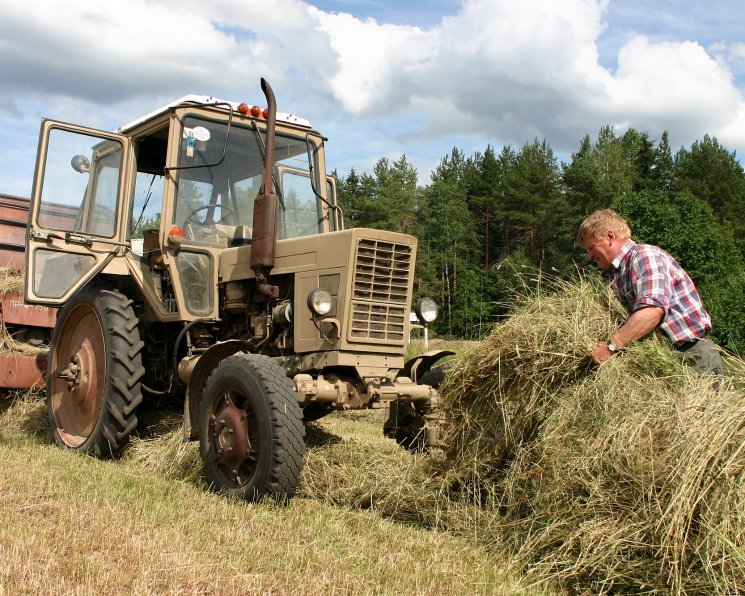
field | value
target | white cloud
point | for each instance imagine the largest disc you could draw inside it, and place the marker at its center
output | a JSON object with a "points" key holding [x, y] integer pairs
{"points": [[508, 71], [499, 71], [677, 77]]}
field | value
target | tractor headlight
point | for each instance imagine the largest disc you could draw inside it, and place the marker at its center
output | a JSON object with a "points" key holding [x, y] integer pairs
{"points": [[319, 302], [426, 310]]}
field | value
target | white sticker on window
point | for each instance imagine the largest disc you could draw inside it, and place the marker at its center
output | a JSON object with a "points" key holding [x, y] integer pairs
{"points": [[201, 133]]}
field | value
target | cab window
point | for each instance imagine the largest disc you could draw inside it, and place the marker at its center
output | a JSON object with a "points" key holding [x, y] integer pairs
{"points": [[81, 183]]}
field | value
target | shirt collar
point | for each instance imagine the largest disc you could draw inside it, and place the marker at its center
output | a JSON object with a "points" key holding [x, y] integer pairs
{"points": [[625, 250]]}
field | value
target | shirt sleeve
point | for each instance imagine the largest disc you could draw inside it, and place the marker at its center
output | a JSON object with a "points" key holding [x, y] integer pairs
{"points": [[651, 280]]}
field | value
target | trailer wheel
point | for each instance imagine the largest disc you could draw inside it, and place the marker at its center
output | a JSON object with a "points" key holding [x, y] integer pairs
{"points": [[251, 433], [94, 371]]}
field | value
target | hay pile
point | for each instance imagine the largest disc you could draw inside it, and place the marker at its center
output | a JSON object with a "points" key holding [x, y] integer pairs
{"points": [[11, 280], [629, 477], [395, 485]]}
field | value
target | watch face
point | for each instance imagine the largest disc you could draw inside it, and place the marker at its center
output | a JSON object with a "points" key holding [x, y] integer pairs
{"points": [[612, 347]]}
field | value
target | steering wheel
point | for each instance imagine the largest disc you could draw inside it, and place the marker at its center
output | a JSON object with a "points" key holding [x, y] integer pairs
{"points": [[190, 218]]}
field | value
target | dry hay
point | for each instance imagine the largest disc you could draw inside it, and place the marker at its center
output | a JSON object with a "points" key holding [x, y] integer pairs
{"points": [[8, 345], [11, 280], [629, 477], [24, 414], [163, 450], [395, 484]]}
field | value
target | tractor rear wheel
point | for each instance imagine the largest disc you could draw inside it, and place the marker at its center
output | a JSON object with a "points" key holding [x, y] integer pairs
{"points": [[94, 371], [251, 432]]}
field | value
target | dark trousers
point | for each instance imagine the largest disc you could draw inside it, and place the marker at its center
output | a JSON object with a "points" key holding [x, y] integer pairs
{"points": [[702, 355]]}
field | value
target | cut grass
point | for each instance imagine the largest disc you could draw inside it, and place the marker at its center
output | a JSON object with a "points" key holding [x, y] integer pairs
{"points": [[627, 478], [75, 525], [11, 279]]}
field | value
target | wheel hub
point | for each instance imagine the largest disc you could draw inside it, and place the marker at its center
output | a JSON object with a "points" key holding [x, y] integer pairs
{"points": [[71, 374], [231, 440], [79, 375]]}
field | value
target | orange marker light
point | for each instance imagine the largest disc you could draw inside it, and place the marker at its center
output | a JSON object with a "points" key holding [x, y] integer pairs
{"points": [[266, 112], [256, 111], [243, 108], [176, 234]]}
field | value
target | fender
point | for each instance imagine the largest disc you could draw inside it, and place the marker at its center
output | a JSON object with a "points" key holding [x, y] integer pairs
{"points": [[204, 366], [417, 366]]}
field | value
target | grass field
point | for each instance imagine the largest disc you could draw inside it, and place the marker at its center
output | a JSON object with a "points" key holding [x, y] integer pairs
{"points": [[75, 525], [561, 478]]}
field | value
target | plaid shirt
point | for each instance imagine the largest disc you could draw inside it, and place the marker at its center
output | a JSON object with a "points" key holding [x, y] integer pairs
{"points": [[646, 275]]}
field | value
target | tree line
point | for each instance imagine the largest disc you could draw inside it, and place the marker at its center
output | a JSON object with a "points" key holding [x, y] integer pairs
{"points": [[485, 217]]}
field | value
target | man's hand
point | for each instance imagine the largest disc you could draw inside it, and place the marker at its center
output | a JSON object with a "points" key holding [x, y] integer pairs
{"points": [[640, 323], [602, 353]]}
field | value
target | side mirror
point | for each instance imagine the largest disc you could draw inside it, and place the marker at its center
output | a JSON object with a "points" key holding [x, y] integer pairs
{"points": [[80, 164]]}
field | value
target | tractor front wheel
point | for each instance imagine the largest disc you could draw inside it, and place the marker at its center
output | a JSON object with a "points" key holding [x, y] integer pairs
{"points": [[251, 433]]}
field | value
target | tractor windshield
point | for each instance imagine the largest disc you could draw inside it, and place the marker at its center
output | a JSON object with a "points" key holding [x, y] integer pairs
{"points": [[214, 203]]}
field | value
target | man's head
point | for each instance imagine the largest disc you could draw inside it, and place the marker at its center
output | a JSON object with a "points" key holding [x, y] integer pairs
{"points": [[603, 234]]}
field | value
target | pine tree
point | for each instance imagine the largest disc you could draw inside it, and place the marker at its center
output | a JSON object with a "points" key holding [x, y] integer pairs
{"points": [[449, 264], [714, 175], [537, 205]]}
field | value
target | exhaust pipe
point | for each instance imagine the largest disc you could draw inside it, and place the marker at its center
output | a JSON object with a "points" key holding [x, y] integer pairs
{"points": [[264, 239]]}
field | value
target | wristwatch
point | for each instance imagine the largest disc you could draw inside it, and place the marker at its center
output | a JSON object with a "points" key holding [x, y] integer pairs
{"points": [[612, 347]]}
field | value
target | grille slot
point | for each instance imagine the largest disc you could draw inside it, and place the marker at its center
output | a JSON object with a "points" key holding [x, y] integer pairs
{"points": [[380, 297]]}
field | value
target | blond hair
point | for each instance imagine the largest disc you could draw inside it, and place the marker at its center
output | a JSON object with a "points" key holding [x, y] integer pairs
{"points": [[600, 223]]}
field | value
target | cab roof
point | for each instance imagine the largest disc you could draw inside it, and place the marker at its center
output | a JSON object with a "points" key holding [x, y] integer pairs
{"points": [[204, 100]]}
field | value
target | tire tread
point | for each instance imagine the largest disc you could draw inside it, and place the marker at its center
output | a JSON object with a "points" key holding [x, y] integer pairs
{"points": [[122, 392], [288, 431]]}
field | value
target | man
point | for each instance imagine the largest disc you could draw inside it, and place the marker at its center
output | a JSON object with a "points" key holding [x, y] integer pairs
{"points": [[656, 288]]}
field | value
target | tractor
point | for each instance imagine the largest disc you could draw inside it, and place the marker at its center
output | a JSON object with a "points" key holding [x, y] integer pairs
{"points": [[198, 257]]}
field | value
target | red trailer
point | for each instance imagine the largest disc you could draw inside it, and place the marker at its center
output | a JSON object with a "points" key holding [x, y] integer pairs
{"points": [[20, 323]]}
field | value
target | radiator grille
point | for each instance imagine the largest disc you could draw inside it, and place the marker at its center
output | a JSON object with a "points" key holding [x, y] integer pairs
{"points": [[380, 299], [377, 321]]}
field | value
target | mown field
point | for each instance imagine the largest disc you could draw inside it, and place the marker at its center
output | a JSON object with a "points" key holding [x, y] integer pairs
{"points": [[560, 478], [148, 525]]}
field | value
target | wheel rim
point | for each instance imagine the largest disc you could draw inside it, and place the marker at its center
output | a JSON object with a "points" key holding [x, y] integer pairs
{"points": [[78, 375], [234, 438]]}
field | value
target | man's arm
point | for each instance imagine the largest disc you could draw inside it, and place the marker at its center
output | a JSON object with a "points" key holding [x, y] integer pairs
{"points": [[642, 322]]}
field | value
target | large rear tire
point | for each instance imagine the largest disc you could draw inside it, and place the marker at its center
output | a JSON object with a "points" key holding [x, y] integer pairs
{"points": [[93, 373], [251, 433]]}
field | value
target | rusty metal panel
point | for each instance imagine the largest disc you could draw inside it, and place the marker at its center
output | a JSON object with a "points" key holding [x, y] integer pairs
{"points": [[14, 208], [16, 257], [13, 234], [16, 312], [13, 219], [22, 372]]}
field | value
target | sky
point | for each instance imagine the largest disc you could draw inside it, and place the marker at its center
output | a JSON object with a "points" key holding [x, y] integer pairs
{"points": [[381, 78]]}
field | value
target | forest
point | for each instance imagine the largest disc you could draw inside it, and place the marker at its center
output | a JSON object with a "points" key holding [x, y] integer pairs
{"points": [[484, 220]]}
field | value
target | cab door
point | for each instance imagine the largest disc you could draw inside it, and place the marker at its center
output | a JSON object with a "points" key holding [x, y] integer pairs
{"points": [[76, 219]]}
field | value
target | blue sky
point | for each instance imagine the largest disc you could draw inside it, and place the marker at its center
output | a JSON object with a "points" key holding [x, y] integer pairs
{"points": [[379, 78], [418, 13]]}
